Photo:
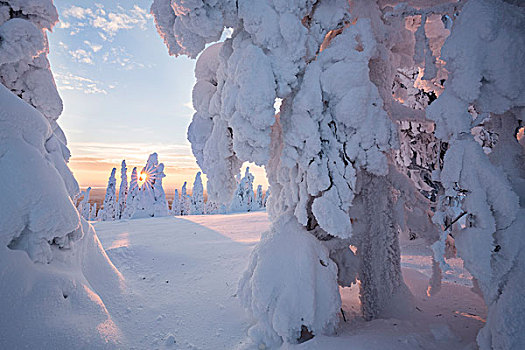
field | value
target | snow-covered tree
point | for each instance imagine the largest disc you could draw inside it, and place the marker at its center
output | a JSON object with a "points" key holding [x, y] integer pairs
{"points": [[484, 55], [150, 198], [84, 208], [197, 196], [108, 212], [93, 212], [133, 196], [259, 198], [160, 206], [243, 197], [175, 205], [266, 195], [123, 190], [185, 201], [329, 153]]}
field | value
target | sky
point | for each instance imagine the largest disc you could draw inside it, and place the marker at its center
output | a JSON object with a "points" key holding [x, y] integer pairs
{"points": [[124, 96]]}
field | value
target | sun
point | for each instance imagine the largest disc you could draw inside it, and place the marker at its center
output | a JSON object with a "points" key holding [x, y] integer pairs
{"points": [[142, 178]]}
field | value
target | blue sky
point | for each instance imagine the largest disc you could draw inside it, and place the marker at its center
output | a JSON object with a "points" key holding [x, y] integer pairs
{"points": [[124, 96]]}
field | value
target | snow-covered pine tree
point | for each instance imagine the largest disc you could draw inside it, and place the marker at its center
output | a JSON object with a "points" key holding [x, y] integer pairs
{"points": [[211, 207], [259, 198], [249, 195], [84, 207], [109, 207], [185, 201], [123, 191], [93, 212], [175, 205], [243, 198], [266, 195], [146, 195], [492, 187], [133, 196], [160, 205], [197, 196]]}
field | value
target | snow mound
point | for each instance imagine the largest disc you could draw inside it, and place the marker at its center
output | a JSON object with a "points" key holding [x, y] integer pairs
{"points": [[303, 297]]}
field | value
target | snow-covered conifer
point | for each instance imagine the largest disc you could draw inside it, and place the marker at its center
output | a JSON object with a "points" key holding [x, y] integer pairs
{"points": [[243, 198], [133, 196], [160, 206], [259, 198], [197, 196], [491, 186], [84, 208], [109, 207], [185, 201], [150, 198], [93, 212], [175, 205], [123, 190], [266, 195]]}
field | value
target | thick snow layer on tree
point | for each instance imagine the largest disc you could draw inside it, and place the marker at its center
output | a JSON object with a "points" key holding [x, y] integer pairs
{"points": [[133, 196], [175, 205], [259, 197], [53, 266], [123, 190], [185, 201], [109, 206], [84, 207], [243, 198], [297, 261], [197, 196], [160, 206], [490, 242]]}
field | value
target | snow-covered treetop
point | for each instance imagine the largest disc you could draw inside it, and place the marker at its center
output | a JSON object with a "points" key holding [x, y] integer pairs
{"points": [[24, 67]]}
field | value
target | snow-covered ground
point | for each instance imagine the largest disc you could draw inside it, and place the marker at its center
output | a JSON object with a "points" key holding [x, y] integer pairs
{"points": [[181, 277]]}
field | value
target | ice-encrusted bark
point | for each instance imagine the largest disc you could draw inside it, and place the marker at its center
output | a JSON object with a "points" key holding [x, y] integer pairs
{"points": [[375, 236], [123, 190], [108, 212], [484, 56], [197, 196]]}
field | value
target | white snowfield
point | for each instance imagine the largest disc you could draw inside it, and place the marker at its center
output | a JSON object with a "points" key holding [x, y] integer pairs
{"points": [[181, 277]]}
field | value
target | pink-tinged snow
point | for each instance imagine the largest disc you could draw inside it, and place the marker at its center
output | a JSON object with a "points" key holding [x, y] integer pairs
{"points": [[182, 274]]}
